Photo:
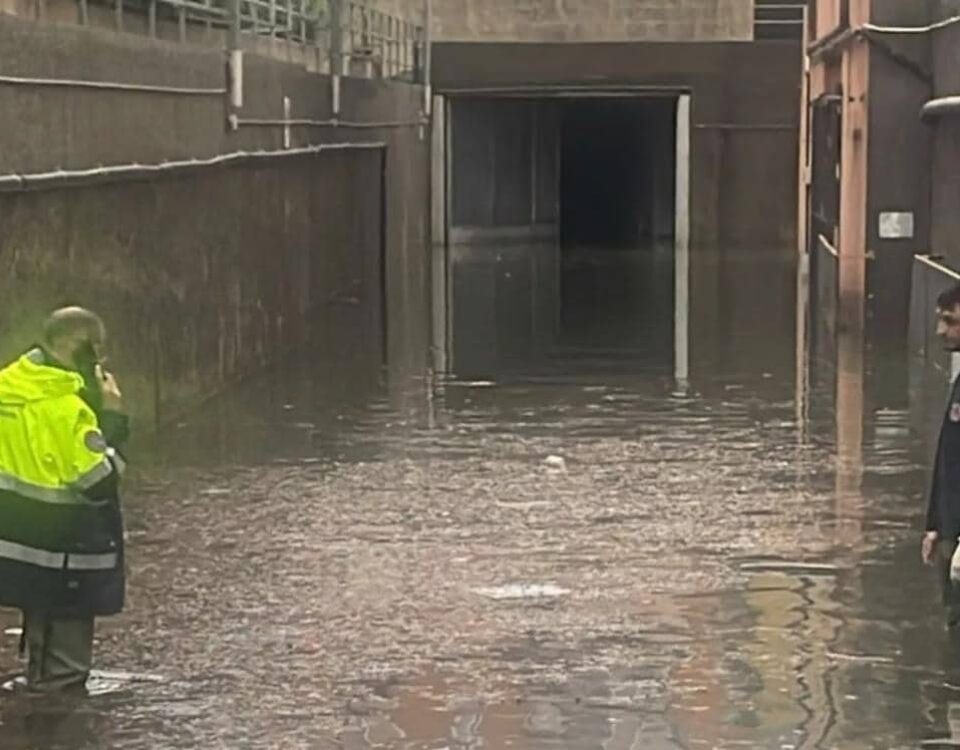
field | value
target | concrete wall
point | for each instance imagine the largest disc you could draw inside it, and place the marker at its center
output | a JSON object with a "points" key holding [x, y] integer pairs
{"points": [[898, 180], [899, 13], [207, 275], [745, 103], [945, 132], [504, 168], [593, 20]]}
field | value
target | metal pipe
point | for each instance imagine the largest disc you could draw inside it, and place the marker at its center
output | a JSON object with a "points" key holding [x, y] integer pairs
{"points": [[931, 261], [911, 29], [64, 178], [681, 310], [152, 18], [234, 59], [111, 86], [428, 58], [745, 126], [577, 91], [305, 123], [944, 107], [839, 37], [336, 37], [830, 42]]}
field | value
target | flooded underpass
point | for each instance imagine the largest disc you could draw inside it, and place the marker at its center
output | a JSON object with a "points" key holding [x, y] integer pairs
{"points": [[567, 550]]}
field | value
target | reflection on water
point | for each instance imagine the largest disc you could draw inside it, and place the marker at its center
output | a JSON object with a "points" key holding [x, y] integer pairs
{"points": [[324, 559]]}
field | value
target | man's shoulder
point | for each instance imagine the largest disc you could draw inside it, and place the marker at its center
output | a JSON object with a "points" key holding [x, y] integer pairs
{"points": [[67, 409]]}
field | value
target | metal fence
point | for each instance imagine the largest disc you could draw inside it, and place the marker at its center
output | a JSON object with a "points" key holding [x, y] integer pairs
{"points": [[778, 19], [390, 42], [344, 32]]}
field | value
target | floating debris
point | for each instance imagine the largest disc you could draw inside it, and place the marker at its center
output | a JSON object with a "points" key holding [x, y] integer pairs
{"points": [[518, 591], [555, 464], [215, 492], [860, 658], [777, 566]]}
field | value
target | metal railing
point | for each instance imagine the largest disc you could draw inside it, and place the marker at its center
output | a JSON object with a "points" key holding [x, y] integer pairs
{"points": [[350, 31], [391, 43], [778, 19]]}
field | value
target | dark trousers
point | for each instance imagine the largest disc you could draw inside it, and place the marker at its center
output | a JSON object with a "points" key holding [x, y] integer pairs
{"points": [[59, 652]]}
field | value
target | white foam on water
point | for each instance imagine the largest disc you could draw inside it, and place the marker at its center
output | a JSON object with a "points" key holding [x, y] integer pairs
{"points": [[99, 683], [14, 685], [520, 591], [126, 676]]}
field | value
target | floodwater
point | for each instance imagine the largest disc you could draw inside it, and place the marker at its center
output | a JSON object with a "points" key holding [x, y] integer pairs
{"points": [[560, 550]]}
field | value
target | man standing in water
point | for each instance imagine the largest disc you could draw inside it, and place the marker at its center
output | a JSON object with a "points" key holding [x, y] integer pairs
{"points": [[943, 513], [61, 531]]}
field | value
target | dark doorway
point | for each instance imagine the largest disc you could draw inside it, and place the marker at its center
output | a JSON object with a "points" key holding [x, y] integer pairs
{"points": [[617, 223], [562, 216], [617, 172]]}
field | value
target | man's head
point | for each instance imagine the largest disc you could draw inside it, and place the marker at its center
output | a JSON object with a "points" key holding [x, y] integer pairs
{"points": [[948, 318], [75, 336]]}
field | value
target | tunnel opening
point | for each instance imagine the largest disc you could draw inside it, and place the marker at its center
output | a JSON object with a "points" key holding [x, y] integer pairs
{"points": [[560, 222], [617, 177], [617, 222]]}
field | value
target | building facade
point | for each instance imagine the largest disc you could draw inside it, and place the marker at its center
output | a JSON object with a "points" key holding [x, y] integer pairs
{"points": [[879, 158]]}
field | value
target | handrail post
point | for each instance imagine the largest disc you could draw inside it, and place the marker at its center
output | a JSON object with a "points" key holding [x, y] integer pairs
{"points": [[427, 58], [336, 37], [234, 64]]}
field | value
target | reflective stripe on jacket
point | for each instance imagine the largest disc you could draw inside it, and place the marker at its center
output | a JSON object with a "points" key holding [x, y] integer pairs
{"points": [[61, 538]]}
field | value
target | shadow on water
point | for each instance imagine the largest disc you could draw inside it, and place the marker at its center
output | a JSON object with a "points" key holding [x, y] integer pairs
{"points": [[553, 549]]}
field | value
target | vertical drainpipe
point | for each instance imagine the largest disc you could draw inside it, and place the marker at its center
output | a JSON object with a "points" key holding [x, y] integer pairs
{"points": [[802, 383], [428, 59], [336, 55], [384, 254], [682, 247], [234, 66], [851, 309], [854, 167], [854, 189]]}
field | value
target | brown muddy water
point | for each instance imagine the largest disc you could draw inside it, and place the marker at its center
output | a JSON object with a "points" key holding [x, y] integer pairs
{"points": [[566, 551]]}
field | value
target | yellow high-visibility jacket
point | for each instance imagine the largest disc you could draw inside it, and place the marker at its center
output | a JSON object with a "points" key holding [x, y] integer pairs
{"points": [[61, 532]]}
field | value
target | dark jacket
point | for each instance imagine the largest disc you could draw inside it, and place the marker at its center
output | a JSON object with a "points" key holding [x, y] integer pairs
{"points": [[943, 512]]}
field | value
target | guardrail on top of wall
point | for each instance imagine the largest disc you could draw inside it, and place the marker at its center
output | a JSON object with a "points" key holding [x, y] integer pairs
{"points": [[353, 32], [778, 19]]}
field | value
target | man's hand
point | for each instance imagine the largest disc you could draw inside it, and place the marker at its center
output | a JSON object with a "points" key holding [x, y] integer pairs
{"points": [[112, 397], [929, 547]]}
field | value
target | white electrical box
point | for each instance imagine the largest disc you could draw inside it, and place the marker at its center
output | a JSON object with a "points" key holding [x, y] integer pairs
{"points": [[896, 225]]}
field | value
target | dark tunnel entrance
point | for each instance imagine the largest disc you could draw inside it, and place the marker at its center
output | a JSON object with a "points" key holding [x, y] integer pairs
{"points": [[617, 219], [561, 221], [617, 173]]}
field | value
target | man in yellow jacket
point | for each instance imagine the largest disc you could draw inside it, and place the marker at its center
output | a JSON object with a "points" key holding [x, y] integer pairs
{"points": [[61, 529]]}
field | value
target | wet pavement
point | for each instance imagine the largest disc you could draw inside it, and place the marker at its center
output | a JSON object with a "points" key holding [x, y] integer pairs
{"points": [[566, 552]]}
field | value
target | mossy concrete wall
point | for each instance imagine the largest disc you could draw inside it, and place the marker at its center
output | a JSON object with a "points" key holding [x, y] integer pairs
{"points": [[205, 276]]}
